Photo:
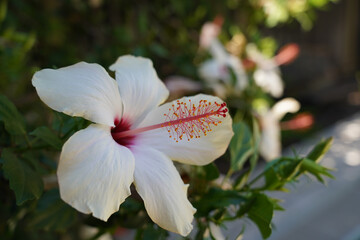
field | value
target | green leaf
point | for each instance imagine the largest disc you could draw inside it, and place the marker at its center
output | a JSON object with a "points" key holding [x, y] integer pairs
{"points": [[276, 204], [52, 214], [151, 232], [217, 198], [315, 169], [261, 213], [241, 146], [242, 179], [256, 143], [211, 172], [67, 125], [281, 171], [320, 149], [3, 10], [13, 121], [48, 136], [24, 181]]}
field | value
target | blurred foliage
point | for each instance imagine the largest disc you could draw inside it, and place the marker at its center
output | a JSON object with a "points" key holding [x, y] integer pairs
{"points": [[36, 34]]}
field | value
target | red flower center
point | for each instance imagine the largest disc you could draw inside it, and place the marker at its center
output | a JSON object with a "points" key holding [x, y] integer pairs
{"points": [[122, 126]]}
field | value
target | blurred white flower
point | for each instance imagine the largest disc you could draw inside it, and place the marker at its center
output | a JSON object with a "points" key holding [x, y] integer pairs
{"points": [[270, 142], [219, 70], [129, 139], [267, 73], [209, 32]]}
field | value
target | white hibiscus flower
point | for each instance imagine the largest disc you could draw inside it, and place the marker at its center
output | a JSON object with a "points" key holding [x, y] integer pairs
{"points": [[132, 138]]}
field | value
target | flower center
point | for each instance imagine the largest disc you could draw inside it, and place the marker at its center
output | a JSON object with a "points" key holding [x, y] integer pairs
{"points": [[121, 126], [184, 119]]}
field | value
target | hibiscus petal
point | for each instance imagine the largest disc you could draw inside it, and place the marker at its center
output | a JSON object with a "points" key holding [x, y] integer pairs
{"points": [[284, 106], [270, 81], [270, 142], [82, 90], [95, 173], [140, 88], [164, 193], [197, 151]]}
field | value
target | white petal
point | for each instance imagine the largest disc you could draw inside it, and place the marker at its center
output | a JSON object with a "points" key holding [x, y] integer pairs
{"points": [[198, 151], [208, 33], [270, 81], [140, 88], [218, 51], [82, 90], [270, 142], [95, 173], [164, 193], [286, 105]]}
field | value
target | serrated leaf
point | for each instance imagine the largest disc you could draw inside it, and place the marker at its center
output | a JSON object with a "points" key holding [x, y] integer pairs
{"points": [[48, 136], [261, 213], [320, 149], [52, 214], [24, 181], [315, 169], [281, 171], [276, 204], [13, 120], [241, 146]]}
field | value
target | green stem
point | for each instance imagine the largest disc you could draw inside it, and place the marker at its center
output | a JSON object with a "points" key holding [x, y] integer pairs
{"points": [[227, 176]]}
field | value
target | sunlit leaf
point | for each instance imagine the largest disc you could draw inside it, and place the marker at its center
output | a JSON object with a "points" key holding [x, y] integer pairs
{"points": [[241, 145], [281, 171], [320, 149], [315, 169]]}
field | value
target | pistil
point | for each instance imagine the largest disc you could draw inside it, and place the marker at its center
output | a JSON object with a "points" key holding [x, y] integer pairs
{"points": [[184, 119]]}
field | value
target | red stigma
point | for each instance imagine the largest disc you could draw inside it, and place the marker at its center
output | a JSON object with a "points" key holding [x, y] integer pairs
{"points": [[122, 126]]}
